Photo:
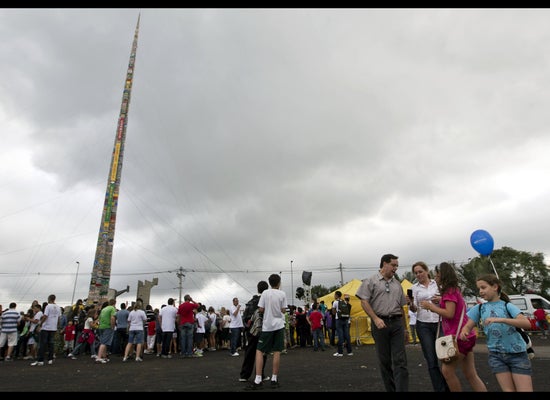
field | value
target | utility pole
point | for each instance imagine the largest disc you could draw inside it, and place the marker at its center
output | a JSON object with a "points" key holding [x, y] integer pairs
{"points": [[75, 279], [341, 276], [180, 275], [291, 283]]}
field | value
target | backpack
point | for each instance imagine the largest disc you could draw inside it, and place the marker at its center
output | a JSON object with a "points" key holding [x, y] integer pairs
{"points": [[79, 320], [208, 322], [344, 309], [256, 323], [249, 309], [521, 331]]}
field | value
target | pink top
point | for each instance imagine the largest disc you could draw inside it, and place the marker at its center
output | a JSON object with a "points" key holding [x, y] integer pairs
{"points": [[450, 326]]}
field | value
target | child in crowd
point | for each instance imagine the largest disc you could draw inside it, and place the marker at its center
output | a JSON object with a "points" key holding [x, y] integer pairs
{"points": [[508, 358], [68, 337]]}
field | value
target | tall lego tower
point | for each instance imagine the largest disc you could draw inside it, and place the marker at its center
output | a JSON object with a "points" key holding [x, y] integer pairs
{"points": [[101, 272]]}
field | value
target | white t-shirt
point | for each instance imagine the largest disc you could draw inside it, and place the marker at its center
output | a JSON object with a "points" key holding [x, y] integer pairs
{"points": [[136, 319], [168, 318], [236, 321], [412, 317], [53, 311], [273, 301], [201, 319]]}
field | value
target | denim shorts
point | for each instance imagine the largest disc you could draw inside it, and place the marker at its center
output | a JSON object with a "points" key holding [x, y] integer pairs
{"points": [[135, 337], [106, 336], [516, 363]]}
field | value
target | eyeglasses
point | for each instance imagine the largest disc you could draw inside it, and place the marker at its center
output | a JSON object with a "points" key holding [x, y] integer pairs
{"points": [[387, 287]]}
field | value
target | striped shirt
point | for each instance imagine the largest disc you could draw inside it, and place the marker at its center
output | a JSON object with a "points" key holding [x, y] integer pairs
{"points": [[10, 318]]}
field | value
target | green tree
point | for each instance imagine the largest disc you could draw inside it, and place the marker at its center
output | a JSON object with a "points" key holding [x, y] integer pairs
{"points": [[409, 276], [519, 271], [319, 291]]}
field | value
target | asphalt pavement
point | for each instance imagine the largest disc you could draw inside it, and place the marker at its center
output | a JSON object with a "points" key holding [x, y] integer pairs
{"points": [[302, 370]]}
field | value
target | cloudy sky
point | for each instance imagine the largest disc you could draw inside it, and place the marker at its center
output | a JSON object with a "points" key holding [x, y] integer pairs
{"points": [[259, 136]]}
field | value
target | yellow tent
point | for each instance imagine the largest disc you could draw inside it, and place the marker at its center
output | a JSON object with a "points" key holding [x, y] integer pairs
{"points": [[360, 321]]}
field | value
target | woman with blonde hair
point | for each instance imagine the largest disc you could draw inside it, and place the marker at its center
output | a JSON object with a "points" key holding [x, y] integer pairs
{"points": [[136, 321], [426, 322]]}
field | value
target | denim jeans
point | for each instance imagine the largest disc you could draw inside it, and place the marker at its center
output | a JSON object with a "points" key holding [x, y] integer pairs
{"points": [[186, 339], [318, 339], [235, 338], [426, 332], [342, 330]]}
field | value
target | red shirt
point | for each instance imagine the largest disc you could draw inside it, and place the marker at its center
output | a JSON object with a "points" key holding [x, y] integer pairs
{"points": [[315, 319], [185, 312], [69, 332], [151, 328], [539, 314]]}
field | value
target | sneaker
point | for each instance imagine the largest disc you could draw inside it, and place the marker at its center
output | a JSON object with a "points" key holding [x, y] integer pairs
{"points": [[243, 380], [274, 385], [254, 386], [212, 349], [125, 359], [50, 362], [94, 356], [267, 378], [73, 358], [338, 355], [101, 360], [37, 364], [197, 355], [8, 359], [350, 354], [28, 358], [138, 359], [235, 354], [166, 356]]}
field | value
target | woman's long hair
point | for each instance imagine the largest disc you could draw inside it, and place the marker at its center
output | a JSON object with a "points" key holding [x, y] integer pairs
{"points": [[448, 279]]}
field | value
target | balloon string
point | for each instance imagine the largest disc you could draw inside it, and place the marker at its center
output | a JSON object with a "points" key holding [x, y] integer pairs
{"points": [[494, 269]]}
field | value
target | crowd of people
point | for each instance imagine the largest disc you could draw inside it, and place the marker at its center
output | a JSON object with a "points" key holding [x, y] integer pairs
{"points": [[266, 324]]}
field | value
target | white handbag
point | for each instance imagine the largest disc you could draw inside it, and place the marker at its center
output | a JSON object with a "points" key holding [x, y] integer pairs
{"points": [[446, 346]]}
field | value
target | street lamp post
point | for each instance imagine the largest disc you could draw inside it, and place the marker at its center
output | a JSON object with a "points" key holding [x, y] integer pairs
{"points": [[75, 279], [291, 283]]}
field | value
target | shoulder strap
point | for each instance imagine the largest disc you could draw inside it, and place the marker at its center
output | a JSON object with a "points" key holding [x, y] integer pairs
{"points": [[506, 306], [461, 319], [459, 324], [480, 311]]}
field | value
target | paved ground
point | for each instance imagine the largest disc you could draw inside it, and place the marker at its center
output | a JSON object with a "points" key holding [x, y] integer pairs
{"points": [[302, 370]]}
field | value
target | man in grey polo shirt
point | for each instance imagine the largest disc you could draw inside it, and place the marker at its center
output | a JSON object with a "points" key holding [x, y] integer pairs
{"points": [[383, 299]]}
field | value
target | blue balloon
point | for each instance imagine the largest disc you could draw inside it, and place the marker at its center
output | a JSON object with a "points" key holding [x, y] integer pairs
{"points": [[482, 242]]}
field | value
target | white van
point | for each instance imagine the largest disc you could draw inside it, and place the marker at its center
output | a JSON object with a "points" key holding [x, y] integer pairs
{"points": [[528, 303]]}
